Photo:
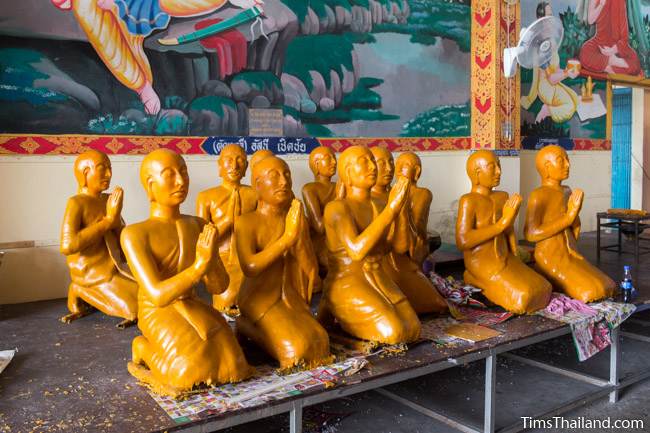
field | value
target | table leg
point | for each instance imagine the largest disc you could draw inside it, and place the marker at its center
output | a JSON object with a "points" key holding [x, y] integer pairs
{"points": [[295, 418], [636, 243], [598, 239], [620, 238], [490, 393], [614, 363]]}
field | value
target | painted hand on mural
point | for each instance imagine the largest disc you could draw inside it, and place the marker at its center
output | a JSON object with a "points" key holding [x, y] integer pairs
{"points": [[107, 5], [608, 51], [63, 4]]}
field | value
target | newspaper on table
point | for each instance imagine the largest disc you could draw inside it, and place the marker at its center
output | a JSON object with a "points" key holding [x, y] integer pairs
{"points": [[478, 316], [434, 330], [267, 386], [591, 324], [5, 358]]}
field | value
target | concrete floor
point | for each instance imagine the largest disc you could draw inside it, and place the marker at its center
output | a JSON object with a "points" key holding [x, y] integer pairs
{"points": [[522, 390]]}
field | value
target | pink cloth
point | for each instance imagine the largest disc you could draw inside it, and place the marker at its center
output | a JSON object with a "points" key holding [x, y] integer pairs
{"points": [[561, 304]]}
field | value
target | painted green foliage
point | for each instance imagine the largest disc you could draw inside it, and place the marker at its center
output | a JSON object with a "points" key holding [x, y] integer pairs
{"points": [[320, 53], [640, 31], [20, 78], [443, 121], [431, 19], [428, 21], [259, 80]]}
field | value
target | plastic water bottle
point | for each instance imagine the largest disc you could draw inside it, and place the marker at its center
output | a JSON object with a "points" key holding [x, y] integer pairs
{"points": [[626, 285]]}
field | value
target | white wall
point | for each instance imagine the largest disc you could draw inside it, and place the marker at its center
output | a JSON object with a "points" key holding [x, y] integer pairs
{"points": [[590, 170], [34, 191]]}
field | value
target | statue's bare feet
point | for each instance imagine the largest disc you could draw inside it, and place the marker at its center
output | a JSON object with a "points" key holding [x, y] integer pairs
{"points": [[107, 5], [126, 323], [74, 316], [149, 99]]}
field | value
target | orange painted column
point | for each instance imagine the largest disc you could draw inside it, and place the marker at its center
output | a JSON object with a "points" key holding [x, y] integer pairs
{"points": [[494, 98]]}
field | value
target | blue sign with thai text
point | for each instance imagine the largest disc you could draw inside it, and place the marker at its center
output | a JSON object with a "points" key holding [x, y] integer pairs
{"points": [[278, 145]]}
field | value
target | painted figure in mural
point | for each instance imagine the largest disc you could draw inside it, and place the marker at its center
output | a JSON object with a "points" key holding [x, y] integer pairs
{"points": [[116, 29], [559, 101], [221, 206], [184, 341], [90, 235], [385, 172], [316, 195], [409, 246], [552, 222], [358, 292], [485, 234], [280, 271], [609, 50]]}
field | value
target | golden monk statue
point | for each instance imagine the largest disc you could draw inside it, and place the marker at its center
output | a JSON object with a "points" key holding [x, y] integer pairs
{"points": [[259, 155], [409, 165], [357, 292], [552, 222], [90, 241], [316, 195], [485, 234], [408, 239], [184, 341], [280, 270], [221, 206], [385, 172]]}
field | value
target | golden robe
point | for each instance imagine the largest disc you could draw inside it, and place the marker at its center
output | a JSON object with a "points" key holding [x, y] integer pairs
{"points": [[100, 277], [275, 311], [185, 342]]}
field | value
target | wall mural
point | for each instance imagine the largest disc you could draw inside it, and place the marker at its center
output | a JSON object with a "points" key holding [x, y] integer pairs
{"points": [[566, 99], [337, 68]]}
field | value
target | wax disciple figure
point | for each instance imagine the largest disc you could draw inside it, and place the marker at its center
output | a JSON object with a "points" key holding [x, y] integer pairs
{"points": [[316, 195], [259, 155], [357, 292], [280, 270], [552, 222], [116, 29], [485, 234], [409, 246], [609, 50], [90, 235], [385, 171], [559, 101], [221, 206], [184, 341]]}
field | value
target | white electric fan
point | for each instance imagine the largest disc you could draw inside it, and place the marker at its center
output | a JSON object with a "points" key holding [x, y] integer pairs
{"points": [[537, 43]]}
